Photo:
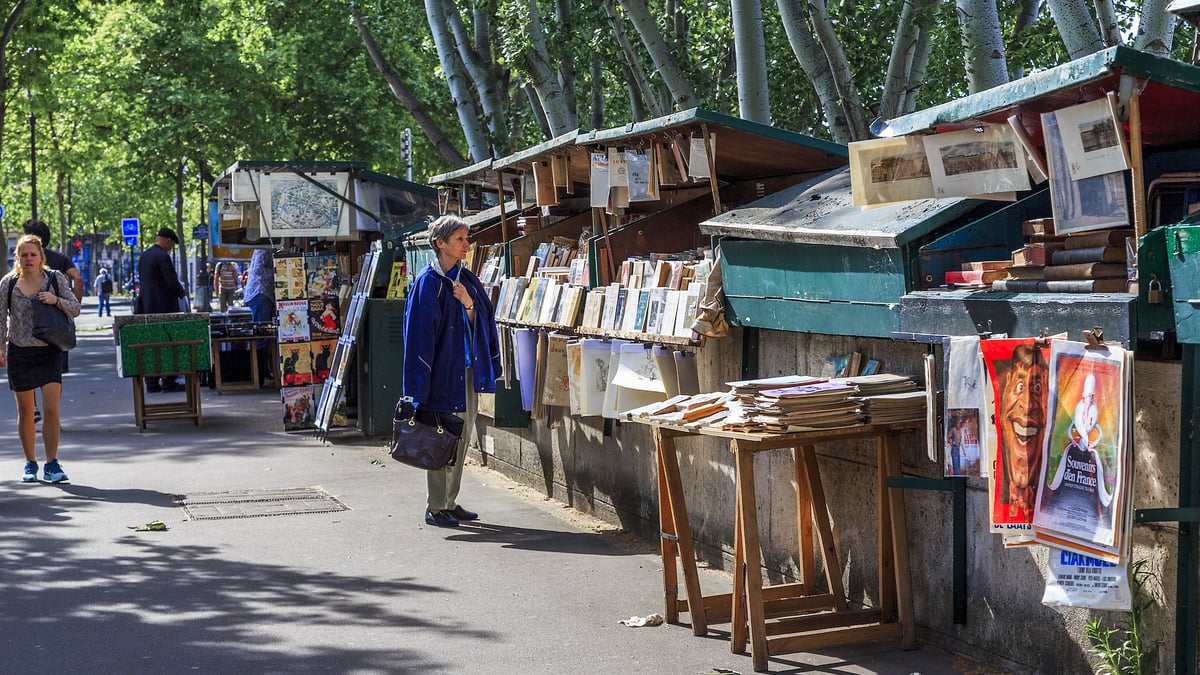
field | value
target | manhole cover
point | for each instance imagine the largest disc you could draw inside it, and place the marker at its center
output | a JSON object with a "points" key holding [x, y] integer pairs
{"points": [[256, 503]]}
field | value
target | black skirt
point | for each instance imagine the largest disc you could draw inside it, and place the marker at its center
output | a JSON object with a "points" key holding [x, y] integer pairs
{"points": [[34, 367]]}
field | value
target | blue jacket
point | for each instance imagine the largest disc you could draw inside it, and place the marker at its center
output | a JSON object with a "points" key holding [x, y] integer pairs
{"points": [[435, 325]]}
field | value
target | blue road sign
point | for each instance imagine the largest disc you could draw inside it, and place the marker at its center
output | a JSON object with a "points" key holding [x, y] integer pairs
{"points": [[129, 228], [1, 210]]}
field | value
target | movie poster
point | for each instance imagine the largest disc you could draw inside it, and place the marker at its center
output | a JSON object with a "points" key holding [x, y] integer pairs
{"points": [[1018, 372], [1084, 452]]}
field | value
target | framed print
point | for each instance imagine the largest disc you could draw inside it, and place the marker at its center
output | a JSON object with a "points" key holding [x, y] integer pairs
{"points": [[974, 162], [1091, 139], [1096, 203], [305, 206], [889, 170]]}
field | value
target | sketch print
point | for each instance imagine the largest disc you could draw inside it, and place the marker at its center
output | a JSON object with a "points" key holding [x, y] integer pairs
{"points": [[1094, 203], [1091, 139], [889, 170], [1083, 454], [971, 162], [300, 208]]}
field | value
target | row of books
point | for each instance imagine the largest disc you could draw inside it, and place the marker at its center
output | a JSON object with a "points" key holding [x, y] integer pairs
{"points": [[673, 273], [652, 311], [539, 300]]}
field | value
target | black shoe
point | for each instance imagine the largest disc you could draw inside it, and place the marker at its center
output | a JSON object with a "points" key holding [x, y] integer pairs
{"points": [[462, 514], [37, 415], [440, 518]]}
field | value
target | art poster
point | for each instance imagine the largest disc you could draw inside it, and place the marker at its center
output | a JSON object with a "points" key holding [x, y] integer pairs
{"points": [[324, 317], [976, 162], [966, 408], [1095, 203], [889, 170], [1091, 139], [1018, 372], [557, 390], [295, 363], [637, 380], [609, 406], [293, 320], [1077, 580], [575, 376], [322, 358], [299, 408], [290, 283], [322, 275], [305, 206], [599, 180], [1085, 452], [595, 359]]}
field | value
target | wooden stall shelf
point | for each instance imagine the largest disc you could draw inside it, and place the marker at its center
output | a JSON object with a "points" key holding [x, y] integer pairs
{"points": [[775, 619], [256, 381]]}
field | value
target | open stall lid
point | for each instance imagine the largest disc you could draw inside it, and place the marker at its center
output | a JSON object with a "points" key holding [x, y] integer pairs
{"points": [[820, 211], [743, 149]]}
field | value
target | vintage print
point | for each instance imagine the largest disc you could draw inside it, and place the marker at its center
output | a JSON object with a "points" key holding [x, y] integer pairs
{"points": [[889, 170], [970, 162], [1091, 139], [1095, 203]]}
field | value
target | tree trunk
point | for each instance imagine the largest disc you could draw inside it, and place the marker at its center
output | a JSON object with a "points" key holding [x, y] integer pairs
{"points": [[753, 100], [1156, 28], [535, 105], [812, 60], [400, 90], [1110, 28], [1026, 17], [460, 91], [983, 44], [1075, 25], [839, 66], [683, 96], [484, 78], [183, 238], [917, 76], [597, 77], [545, 79], [899, 77], [10, 25], [637, 74], [566, 64]]}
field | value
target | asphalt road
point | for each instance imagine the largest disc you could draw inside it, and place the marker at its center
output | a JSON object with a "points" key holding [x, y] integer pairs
{"points": [[534, 587]]}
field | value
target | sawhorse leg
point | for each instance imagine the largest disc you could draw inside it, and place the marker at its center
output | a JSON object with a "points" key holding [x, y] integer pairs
{"points": [[676, 536]]}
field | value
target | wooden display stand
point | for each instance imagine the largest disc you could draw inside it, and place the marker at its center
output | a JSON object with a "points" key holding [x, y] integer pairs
{"points": [[189, 408], [256, 381], [788, 618]]}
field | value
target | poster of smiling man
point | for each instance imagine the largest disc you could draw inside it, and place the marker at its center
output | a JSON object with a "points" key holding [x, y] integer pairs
{"points": [[1017, 368], [1083, 457]]}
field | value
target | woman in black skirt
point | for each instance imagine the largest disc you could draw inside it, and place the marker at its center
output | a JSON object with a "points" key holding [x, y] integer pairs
{"points": [[31, 363]]}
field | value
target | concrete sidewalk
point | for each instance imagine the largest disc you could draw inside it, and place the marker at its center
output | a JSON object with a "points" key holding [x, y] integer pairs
{"points": [[533, 587]]}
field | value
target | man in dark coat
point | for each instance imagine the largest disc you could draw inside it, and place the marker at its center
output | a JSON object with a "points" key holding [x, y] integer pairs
{"points": [[160, 289]]}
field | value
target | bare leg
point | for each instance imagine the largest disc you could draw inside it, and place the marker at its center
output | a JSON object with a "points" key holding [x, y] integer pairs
{"points": [[26, 428], [51, 430]]}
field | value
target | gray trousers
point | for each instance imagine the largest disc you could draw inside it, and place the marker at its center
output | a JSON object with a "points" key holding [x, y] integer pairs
{"points": [[444, 483]]}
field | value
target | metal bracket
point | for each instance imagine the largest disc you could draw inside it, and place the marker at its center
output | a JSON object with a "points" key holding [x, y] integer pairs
{"points": [[957, 487]]}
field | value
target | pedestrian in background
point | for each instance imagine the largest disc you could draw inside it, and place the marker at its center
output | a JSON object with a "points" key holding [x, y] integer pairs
{"points": [[259, 296], [160, 292], [451, 354], [104, 288], [31, 363], [227, 284]]}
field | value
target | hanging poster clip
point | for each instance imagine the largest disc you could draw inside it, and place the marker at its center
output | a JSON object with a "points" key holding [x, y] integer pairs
{"points": [[1095, 338], [1043, 339], [984, 334]]}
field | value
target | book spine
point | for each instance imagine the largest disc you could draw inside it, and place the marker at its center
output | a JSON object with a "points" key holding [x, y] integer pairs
{"points": [[1090, 270], [1087, 255]]}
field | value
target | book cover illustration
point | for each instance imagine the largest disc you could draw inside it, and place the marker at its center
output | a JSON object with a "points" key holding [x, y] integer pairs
{"points": [[293, 320], [295, 363], [324, 317], [322, 275], [289, 278], [322, 358], [299, 408]]}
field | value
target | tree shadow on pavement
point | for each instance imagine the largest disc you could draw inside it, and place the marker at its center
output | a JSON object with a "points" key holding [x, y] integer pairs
{"points": [[156, 607]]}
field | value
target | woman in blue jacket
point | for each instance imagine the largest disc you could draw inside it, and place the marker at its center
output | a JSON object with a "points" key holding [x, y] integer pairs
{"points": [[451, 354]]}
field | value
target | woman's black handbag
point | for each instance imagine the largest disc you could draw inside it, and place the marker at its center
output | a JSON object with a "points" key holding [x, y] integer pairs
{"points": [[424, 439], [50, 324]]}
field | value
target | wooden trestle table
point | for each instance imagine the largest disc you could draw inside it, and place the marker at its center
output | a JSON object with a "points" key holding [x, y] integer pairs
{"points": [[791, 617]]}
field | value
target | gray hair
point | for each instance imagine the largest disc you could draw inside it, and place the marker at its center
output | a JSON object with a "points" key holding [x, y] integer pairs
{"points": [[442, 228]]}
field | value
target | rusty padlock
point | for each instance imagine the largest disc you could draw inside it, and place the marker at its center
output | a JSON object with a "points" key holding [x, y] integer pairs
{"points": [[1154, 291]]}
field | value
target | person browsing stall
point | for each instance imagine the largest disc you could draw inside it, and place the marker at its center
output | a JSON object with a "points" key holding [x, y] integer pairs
{"points": [[31, 363], [160, 291], [451, 354]]}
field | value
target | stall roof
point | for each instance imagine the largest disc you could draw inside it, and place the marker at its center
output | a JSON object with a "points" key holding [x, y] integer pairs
{"points": [[821, 211], [479, 173], [743, 149], [530, 155], [1168, 102]]}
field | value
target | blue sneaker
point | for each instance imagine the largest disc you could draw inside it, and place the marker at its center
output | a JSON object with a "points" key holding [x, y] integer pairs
{"points": [[30, 475], [53, 472]]}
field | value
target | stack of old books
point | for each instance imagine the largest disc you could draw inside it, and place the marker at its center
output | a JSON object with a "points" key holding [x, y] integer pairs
{"points": [[821, 405], [888, 398], [686, 411], [1084, 262]]}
